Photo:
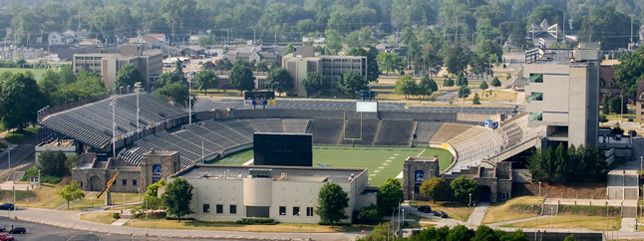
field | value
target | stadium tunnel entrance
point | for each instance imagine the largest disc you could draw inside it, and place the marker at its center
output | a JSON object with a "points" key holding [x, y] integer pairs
{"points": [[485, 194], [95, 184]]}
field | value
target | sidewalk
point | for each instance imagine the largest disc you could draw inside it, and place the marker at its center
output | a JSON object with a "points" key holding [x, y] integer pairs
{"points": [[71, 220], [477, 215]]}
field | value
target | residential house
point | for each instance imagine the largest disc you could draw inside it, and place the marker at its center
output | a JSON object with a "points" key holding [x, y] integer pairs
{"points": [[55, 38]]}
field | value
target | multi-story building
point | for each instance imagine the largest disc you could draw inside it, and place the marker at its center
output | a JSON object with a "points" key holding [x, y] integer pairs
{"points": [[562, 90], [304, 60], [283, 193], [149, 63], [639, 101]]}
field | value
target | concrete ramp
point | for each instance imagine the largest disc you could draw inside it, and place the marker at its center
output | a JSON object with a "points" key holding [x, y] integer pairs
{"points": [[623, 185]]}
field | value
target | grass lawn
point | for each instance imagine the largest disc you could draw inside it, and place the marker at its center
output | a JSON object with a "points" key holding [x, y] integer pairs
{"points": [[117, 198], [45, 197], [98, 217], [16, 138], [496, 96], [500, 212], [303, 227], [119, 208], [382, 162], [454, 210], [37, 72], [572, 221], [236, 158]]}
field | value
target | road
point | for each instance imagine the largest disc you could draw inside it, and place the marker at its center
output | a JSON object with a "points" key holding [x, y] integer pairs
{"points": [[21, 154]]}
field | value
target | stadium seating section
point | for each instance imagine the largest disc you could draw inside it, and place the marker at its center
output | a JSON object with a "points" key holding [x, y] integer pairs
{"points": [[91, 124], [211, 137]]}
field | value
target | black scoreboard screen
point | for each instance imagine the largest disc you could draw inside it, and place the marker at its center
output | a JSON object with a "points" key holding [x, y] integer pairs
{"points": [[283, 149]]}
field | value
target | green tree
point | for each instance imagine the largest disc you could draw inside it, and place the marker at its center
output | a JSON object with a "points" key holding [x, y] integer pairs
{"points": [[390, 61], [547, 12], [570, 237], [380, 232], [456, 58], [429, 82], [496, 82], [332, 202], [168, 77], [369, 215], [476, 100], [71, 192], [463, 188], [289, 48], [20, 100], [315, 83], [463, 91], [177, 197], [128, 75], [177, 93], [153, 202], [206, 79], [435, 188], [406, 85], [352, 82], [448, 82], [390, 195], [605, 20], [460, 232], [483, 85], [280, 80], [373, 70], [333, 41], [52, 163], [241, 77], [461, 80], [630, 71]]}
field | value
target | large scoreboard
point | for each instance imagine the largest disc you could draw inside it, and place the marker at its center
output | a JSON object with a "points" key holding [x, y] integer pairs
{"points": [[283, 149], [261, 98]]}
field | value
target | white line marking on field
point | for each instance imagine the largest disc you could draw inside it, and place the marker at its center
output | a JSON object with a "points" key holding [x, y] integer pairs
{"points": [[421, 152], [372, 175], [376, 171], [389, 160], [385, 164], [396, 154], [381, 167], [400, 175], [248, 162]]}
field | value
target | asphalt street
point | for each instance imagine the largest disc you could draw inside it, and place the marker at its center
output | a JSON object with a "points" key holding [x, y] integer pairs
{"points": [[21, 154]]}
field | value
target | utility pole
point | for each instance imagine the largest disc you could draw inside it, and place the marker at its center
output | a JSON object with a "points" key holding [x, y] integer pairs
{"points": [[189, 99], [630, 46], [9, 152]]}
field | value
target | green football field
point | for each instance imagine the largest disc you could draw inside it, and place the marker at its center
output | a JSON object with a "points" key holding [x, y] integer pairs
{"points": [[37, 72], [381, 162]]}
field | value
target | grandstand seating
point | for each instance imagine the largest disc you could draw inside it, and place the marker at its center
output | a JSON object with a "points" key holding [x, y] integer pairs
{"points": [[426, 129], [395, 132], [217, 137], [326, 131], [352, 130], [448, 131], [91, 124], [479, 143]]}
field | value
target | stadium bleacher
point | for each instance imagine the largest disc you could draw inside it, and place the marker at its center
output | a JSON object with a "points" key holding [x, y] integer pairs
{"points": [[326, 131], [217, 137], [362, 137], [425, 130], [395, 133], [91, 124]]}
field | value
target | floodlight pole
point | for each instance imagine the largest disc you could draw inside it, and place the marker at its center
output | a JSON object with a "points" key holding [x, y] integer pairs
{"points": [[137, 89], [189, 100], [113, 104], [9, 152]]}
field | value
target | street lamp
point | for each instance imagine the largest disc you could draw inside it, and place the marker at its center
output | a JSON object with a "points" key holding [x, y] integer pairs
{"points": [[539, 189], [147, 207], [311, 214], [137, 89], [470, 200], [189, 99], [113, 104]]}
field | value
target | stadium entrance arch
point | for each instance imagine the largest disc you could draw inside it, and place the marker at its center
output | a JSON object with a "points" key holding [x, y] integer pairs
{"points": [[485, 194], [95, 184]]}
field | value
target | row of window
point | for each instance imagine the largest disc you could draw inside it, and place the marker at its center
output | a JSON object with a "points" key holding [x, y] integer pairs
{"points": [[124, 182], [219, 208], [296, 211]]}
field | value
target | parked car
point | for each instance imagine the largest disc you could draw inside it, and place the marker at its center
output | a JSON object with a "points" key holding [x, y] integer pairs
{"points": [[2, 229], [440, 214], [425, 209], [7, 206], [21, 230], [6, 237]]}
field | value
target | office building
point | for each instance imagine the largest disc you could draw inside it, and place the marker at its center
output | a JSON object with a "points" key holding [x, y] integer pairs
{"points": [[562, 91], [304, 60], [149, 63], [283, 193]]}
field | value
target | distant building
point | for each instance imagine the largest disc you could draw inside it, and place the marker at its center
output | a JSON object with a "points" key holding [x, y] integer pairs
{"points": [[256, 54], [608, 85], [55, 38], [149, 62], [639, 101], [562, 89], [21, 53], [304, 60], [230, 192], [90, 41]]}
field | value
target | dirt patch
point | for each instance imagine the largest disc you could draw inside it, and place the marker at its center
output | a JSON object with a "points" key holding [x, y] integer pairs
{"points": [[595, 190], [65, 181]]}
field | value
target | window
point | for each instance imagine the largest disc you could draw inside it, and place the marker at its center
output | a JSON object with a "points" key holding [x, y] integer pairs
{"points": [[309, 211], [233, 209], [220, 208], [124, 182], [206, 208], [296, 211], [134, 182], [282, 210]]}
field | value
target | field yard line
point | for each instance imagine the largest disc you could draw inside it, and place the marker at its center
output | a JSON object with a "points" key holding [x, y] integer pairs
{"points": [[249, 162], [421, 152], [400, 175]]}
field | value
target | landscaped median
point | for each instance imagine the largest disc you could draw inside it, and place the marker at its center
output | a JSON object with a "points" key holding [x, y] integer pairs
{"points": [[454, 210], [571, 222], [513, 209], [301, 226], [99, 217]]}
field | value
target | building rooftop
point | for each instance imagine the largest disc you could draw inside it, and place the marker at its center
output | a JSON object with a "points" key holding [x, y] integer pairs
{"points": [[277, 173], [58, 142]]}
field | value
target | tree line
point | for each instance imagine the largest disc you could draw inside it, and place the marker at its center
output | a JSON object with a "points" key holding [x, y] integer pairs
{"points": [[568, 164]]}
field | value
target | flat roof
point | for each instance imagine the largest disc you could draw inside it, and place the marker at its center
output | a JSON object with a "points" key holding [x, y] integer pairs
{"points": [[278, 173]]}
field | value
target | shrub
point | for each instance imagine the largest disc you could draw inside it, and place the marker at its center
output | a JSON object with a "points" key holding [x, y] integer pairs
{"points": [[33, 172], [369, 215], [256, 221], [116, 215]]}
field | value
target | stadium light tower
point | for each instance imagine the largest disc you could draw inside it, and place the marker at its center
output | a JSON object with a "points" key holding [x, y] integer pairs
{"points": [[137, 89], [113, 104], [189, 99]]}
